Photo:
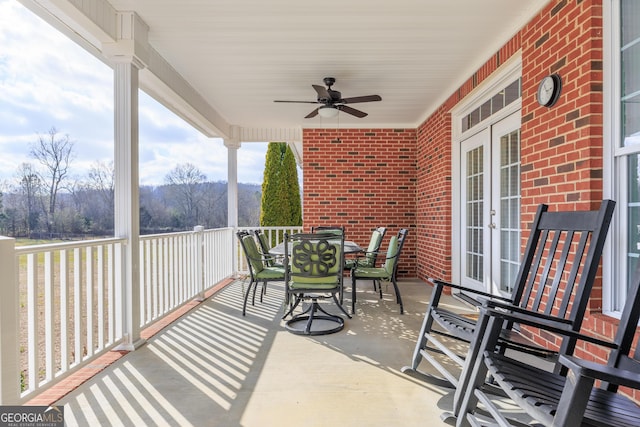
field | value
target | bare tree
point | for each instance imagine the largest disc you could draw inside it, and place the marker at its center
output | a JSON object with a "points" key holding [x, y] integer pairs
{"points": [[55, 154], [187, 185], [29, 187]]}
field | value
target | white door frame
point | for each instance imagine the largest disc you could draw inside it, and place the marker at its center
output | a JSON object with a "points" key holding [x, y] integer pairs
{"points": [[508, 72]]}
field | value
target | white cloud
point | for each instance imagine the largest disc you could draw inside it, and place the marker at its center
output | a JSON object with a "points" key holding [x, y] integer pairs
{"points": [[48, 81]]}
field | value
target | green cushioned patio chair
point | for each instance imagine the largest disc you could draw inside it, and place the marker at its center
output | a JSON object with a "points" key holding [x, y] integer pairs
{"points": [[368, 258], [258, 271], [314, 272], [386, 273], [270, 259]]}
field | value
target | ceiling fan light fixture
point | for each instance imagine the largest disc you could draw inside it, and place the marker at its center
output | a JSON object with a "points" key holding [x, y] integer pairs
{"points": [[328, 112]]}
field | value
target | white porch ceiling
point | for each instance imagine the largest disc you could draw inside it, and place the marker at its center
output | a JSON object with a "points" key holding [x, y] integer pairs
{"points": [[241, 55]]}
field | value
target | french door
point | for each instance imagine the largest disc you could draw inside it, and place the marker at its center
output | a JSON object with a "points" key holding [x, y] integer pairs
{"points": [[490, 207]]}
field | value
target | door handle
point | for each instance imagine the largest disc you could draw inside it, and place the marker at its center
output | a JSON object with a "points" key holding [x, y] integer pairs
{"points": [[493, 214]]}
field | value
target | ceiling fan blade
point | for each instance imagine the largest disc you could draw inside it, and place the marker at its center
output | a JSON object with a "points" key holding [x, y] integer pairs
{"points": [[322, 91], [352, 111], [312, 114], [299, 102], [367, 98]]}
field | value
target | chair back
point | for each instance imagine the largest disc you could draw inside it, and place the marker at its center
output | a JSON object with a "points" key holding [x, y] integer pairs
{"points": [[560, 262], [263, 242], [315, 258], [328, 229], [250, 249], [393, 252], [374, 246]]}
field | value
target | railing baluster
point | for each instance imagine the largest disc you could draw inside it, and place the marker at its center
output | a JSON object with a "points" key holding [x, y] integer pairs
{"points": [[77, 305], [10, 302], [48, 317], [100, 297], [65, 339], [89, 298], [111, 300], [32, 320]]}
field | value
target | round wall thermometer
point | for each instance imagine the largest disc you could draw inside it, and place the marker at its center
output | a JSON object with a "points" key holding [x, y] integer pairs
{"points": [[549, 90]]}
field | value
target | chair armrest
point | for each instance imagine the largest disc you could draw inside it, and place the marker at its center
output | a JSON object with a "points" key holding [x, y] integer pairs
{"points": [[262, 257], [486, 295], [601, 372], [362, 254], [545, 322], [526, 312]]}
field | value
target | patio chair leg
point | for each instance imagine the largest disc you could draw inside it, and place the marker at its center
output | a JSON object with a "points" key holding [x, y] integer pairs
{"points": [[353, 294], [253, 297], [398, 297], [264, 290], [339, 306], [246, 298], [293, 306]]}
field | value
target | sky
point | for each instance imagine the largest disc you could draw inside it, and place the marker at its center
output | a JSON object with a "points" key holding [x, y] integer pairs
{"points": [[47, 81]]}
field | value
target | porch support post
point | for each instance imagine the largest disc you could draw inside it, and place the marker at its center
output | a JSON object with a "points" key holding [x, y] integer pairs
{"points": [[127, 200], [232, 144], [9, 324], [129, 54]]}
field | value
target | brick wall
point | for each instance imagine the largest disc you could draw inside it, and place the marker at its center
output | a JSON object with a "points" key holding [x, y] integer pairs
{"points": [[562, 146], [362, 179], [561, 151], [434, 175]]}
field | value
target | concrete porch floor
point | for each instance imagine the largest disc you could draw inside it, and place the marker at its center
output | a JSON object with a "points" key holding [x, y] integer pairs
{"points": [[214, 367]]}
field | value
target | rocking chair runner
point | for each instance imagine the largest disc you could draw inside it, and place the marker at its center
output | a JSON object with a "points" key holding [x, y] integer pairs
{"points": [[553, 399], [555, 279]]}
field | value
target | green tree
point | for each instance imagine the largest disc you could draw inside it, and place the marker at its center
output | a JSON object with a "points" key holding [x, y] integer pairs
{"points": [[280, 189], [290, 178]]}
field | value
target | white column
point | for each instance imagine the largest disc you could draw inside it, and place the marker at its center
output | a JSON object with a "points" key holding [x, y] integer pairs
{"points": [[232, 144], [127, 200], [232, 181], [9, 324]]}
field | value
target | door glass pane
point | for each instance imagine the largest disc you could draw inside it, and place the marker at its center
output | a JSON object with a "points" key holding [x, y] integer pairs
{"points": [[509, 209], [474, 175], [630, 71], [633, 215], [630, 129]]}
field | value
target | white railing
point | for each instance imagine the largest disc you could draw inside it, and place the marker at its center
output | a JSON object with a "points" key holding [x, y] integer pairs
{"points": [[61, 305], [68, 303], [177, 267], [274, 234]]}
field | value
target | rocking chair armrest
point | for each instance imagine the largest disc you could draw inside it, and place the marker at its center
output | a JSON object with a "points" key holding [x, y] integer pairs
{"points": [[589, 369], [526, 312], [481, 294], [545, 322]]}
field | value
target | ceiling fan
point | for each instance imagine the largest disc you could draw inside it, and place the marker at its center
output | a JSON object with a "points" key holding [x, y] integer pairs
{"points": [[332, 101]]}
